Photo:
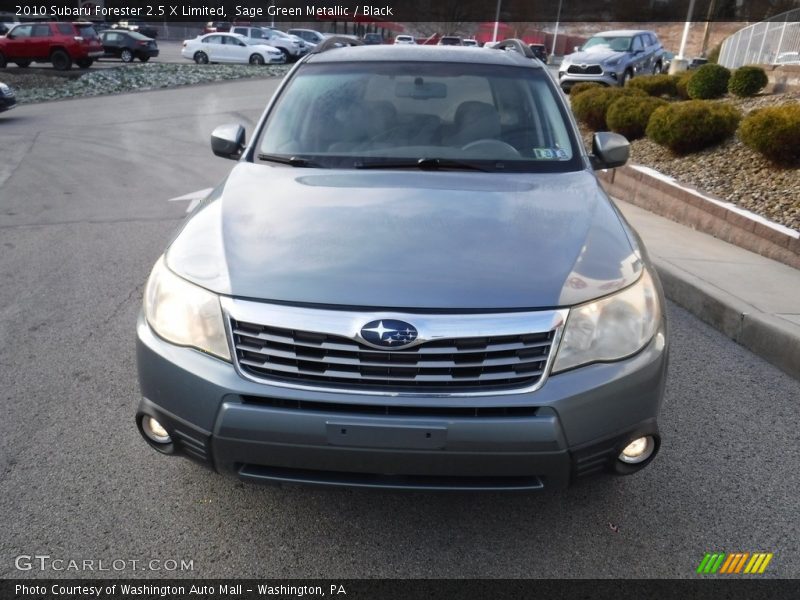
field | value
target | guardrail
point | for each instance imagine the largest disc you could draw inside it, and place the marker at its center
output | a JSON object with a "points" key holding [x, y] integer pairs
{"points": [[774, 41]]}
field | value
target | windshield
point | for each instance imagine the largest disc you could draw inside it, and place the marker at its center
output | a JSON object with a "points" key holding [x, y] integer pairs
{"points": [[356, 114], [618, 44]]}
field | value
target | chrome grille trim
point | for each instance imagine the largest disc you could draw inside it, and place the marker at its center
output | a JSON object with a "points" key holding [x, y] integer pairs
{"points": [[454, 355], [585, 70]]}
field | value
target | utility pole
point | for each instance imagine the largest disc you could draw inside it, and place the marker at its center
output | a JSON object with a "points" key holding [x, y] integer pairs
{"points": [[555, 33], [707, 30], [496, 19]]}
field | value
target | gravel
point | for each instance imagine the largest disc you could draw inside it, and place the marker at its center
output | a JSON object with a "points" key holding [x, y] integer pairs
{"points": [[32, 86], [731, 171]]}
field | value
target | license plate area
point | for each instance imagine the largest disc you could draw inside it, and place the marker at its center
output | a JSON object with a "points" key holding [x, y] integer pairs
{"points": [[411, 437]]}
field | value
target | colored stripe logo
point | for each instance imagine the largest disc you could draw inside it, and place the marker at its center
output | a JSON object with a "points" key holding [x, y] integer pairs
{"points": [[734, 563]]}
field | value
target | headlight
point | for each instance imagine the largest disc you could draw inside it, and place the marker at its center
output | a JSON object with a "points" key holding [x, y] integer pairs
{"points": [[610, 328], [183, 313]]}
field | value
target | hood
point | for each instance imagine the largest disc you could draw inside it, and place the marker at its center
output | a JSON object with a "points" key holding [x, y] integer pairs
{"points": [[594, 55], [406, 239]]}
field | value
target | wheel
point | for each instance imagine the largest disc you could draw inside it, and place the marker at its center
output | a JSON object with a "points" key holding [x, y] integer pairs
{"points": [[286, 54], [626, 77], [61, 60], [144, 58], [201, 58], [3, 61], [126, 55], [256, 59], [657, 69], [23, 64], [84, 63]]}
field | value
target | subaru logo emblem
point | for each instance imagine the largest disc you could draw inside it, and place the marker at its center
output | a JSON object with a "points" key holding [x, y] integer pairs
{"points": [[389, 333]]}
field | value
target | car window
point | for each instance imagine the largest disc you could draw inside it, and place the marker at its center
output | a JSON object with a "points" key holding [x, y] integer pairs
{"points": [[344, 114], [637, 44], [213, 39], [21, 31], [65, 28], [87, 32], [41, 31]]}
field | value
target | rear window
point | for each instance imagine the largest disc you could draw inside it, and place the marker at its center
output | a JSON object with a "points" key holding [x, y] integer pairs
{"points": [[87, 31]]}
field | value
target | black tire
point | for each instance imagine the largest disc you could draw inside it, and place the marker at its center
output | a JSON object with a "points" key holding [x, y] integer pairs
{"points": [[626, 77], [657, 69], [144, 58], [3, 61], [23, 64], [126, 55], [286, 54], [256, 59], [84, 63], [61, 60], [201, 58]]}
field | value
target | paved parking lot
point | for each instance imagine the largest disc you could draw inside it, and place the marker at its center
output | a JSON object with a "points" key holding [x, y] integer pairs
{"points": [[84, 214]]}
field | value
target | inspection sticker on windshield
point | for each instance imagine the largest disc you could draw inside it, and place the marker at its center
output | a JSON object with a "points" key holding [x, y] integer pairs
{"points": [[550, 154]]}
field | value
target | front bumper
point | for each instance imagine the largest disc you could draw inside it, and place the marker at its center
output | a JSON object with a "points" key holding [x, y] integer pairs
{"points": [[573, 426], [607, 77]]}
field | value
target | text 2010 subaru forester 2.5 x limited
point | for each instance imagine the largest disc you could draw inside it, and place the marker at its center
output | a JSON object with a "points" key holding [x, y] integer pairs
{"points": [[410, 279]]}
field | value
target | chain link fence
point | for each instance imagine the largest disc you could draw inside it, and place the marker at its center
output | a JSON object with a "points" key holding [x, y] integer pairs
{"points": [[774, 41]]}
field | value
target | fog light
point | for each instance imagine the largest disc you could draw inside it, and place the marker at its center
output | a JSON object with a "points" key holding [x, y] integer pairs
{"points": [[639, 450], [155, 431]]}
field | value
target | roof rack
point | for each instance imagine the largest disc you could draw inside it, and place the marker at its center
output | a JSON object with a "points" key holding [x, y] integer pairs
{"points": [[515, 45], [336, 41]]}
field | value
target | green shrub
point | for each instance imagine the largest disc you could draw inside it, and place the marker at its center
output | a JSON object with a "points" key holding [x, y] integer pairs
{"points": [[747, 81], [774, 132], [681, 82], [655, 85], [686, 127], [713, 55], [590, 106], [581, 87], [708, 82], [629, 115]]}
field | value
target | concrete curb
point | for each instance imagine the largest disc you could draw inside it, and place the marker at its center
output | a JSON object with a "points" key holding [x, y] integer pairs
{"points": [[771, 338]]}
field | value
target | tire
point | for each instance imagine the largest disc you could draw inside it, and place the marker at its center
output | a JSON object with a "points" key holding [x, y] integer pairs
{"points": [[286, 54], [144, 58], [126, 55], [657, 69], [61, 60], [201, 58], [23, 64], [3, 61], [84, 63], [626, 77], [256, 59]]}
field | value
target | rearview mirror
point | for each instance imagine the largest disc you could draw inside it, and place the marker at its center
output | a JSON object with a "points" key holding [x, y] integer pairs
{"points": [[609, 150], [228, 141], [420, 90]]}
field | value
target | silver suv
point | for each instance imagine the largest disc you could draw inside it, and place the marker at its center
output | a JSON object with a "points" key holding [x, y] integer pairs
{"points": [[612, 58], [411, 278]]}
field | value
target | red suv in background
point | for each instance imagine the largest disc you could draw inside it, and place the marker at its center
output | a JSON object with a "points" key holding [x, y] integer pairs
{"points": [[61, 44]]}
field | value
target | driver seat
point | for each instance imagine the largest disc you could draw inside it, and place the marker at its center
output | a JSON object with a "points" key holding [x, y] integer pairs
{"points": [[474, 121]]}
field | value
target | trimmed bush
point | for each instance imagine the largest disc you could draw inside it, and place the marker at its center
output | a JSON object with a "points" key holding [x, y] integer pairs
{"points": [[581, 87], [686, 127], [681, 82], [655, 85], [774, 132], [590, 106], [747, 81], [629, 115], [713, 56], [708, 82]]}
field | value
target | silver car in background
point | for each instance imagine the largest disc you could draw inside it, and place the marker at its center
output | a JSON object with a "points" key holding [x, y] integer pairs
{"points": [[411, 278], [612, 58]]}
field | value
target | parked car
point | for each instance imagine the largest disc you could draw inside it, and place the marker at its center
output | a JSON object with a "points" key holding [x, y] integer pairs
{"points": [[230, 48], [666, 61], [217, 26], [128, 45], [450, 40], [697, 62], [309, 36], [8, 99], [539, 51], [291, 47], [404, 39], [612, 58], [372, 39], [146, 29], [470, 42], [61, 44], [396, 287]]}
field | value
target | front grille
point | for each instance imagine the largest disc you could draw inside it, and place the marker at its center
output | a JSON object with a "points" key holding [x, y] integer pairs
{"points": [[587, 70], [458, 364]]}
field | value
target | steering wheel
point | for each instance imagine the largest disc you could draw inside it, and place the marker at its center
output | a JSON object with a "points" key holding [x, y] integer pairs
{"points": [[496, 148]]}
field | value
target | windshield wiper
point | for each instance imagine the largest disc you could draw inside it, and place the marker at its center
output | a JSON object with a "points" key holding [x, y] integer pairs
{"points": [[424, 164], [294, 161]]}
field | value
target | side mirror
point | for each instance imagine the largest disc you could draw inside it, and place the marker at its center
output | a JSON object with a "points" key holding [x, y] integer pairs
{"points": [[609, 150], [228, 141]]}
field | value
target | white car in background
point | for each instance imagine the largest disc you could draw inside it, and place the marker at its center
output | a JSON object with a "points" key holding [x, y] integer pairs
{"points": [[230, 48], [470, 42], [404, 39]]}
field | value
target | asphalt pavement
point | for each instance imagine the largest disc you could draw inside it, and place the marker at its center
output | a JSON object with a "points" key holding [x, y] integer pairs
{"points": [[84, 214]]}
